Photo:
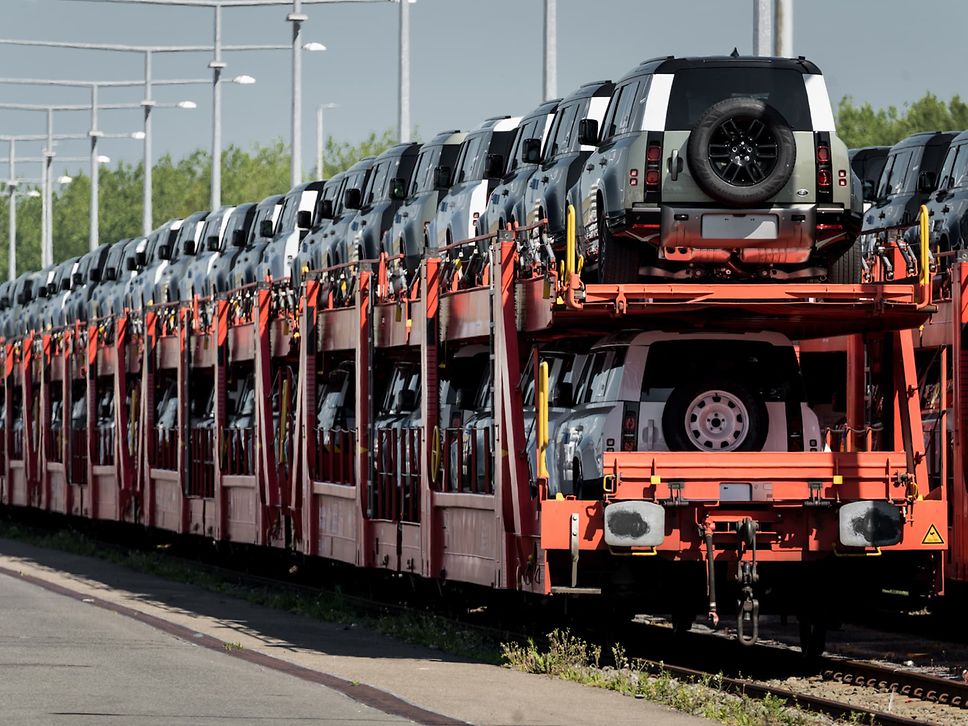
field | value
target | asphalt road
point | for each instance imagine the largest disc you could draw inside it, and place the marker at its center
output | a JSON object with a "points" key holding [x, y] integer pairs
{"points": [[64, 661]]}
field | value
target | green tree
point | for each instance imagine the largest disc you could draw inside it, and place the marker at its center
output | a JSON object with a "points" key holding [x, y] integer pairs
{"points": [[179, 187], [864, 126]]}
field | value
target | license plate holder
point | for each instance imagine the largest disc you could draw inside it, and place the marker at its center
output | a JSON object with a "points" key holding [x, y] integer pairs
{"points": [[739, 226]]}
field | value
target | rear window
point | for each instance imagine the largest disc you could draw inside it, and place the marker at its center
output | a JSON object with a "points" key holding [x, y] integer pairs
{"points": [[423, 175], [770, 370], [696, 89]]}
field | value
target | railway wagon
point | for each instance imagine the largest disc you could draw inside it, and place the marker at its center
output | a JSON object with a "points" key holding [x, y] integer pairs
{"points": [[418, 426]]}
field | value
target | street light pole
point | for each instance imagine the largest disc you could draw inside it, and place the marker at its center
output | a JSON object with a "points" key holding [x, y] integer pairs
{"points": [[297, 18], [12, 228], [47, 245], [146, 192], [94, 212], [404, 90], [217, 64], [550, 49], [321, 140]]}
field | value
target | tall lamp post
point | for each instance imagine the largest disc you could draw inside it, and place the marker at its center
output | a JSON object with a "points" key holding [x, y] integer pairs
{"points": [[47, 240], [321, 139], [148, 104], [95, 133]]}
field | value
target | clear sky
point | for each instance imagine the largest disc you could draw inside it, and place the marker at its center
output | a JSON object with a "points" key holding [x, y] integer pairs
{"points": [[470, 59]]}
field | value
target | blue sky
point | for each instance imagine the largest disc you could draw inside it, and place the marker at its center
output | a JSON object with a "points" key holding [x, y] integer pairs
{"points": [[471, 59]]}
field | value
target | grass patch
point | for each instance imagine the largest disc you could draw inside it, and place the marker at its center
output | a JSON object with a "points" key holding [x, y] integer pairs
{"points": [[572, 659]]}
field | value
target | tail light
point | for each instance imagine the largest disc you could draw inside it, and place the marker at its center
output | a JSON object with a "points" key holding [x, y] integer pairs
{"points": [[630, 427], [825, 174], [653, 167]]}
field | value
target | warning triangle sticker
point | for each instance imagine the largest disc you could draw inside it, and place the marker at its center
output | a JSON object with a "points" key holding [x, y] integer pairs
{"points": [[932, 537]]}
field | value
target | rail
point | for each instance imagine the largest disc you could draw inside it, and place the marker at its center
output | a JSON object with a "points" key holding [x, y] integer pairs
{"points": [[165, 448], [467, 461], [396, 493], [335, 456], [78, 463], [104, 445], [201, 463], [17, 444], [238, 451]]}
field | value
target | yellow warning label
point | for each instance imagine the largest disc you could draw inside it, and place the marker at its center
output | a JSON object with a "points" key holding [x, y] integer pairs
{"points": [[932, 536]]}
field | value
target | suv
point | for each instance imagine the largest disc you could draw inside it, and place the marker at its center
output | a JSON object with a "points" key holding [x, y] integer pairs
{"points": [[295, 221], [910, 175], [383, 193], [656, 391], [330, 238], [553, 186], [309, 256], [717, 167], [244, 270], [506, 203], [948, 204], [231, 245], [868, 163], [431, 180], [480, 166]]}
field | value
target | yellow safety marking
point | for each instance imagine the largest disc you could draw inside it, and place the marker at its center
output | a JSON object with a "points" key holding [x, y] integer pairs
{"points": [[655, 479], [932, 537], [838, 479]]}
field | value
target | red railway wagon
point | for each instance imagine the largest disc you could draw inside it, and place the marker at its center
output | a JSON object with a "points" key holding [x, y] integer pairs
{"points": [[207, 418]]}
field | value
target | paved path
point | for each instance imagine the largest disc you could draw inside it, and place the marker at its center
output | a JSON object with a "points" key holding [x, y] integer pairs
{"points": [[144, 650]]}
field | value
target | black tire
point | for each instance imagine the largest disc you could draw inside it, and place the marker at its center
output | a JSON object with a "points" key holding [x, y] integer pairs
{"points": [[752, 132], [685, 430], [618, 258], [848, 269]]}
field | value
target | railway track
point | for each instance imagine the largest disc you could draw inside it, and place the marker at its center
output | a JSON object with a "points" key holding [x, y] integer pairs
{"points": [[719, 660]]}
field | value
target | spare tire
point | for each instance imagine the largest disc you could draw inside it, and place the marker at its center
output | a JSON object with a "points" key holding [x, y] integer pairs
{"points": [[742, 152], [714, 415]]}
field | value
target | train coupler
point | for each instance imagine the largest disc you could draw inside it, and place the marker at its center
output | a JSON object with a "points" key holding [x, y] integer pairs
{"points": [[748, 607]]}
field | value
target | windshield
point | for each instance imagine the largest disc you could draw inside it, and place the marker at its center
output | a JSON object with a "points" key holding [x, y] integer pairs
{"points": [[694, 90]]}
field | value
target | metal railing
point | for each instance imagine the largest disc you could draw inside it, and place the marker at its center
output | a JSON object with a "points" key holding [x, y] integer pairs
{"points": [[78, 464], [238, 451], [201, 463], [104, 446], [466, 462], [166, 448], [335, 452], [396, 494]]}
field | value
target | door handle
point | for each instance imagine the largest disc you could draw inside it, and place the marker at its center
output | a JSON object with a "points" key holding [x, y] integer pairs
{"points": [[603, 162], [945, 209], [881, 215], [590, 167], [504, 193], [675, 165], [544, 180]]}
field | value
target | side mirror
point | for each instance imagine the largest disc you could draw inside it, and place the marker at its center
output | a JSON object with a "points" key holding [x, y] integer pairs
{"points": [[495, 166], [868, 187], [111, 274], [133, 263], [588, 132], [266, 228], [21, 298], [304, 219], [398, 188], [164, 252], [531, 151], [94, 275], [49, 289], [442, 177], [211, 244], [326, 209], [238, 238], [77, 278], [926, 181], [189, 247], [353, 199]]}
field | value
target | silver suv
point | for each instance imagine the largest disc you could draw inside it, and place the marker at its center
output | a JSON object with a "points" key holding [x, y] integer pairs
{"points": [[658, 391], [717, 167]]}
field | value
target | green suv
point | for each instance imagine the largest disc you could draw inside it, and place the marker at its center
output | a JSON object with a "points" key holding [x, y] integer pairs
{"points": [[717, 168]]}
